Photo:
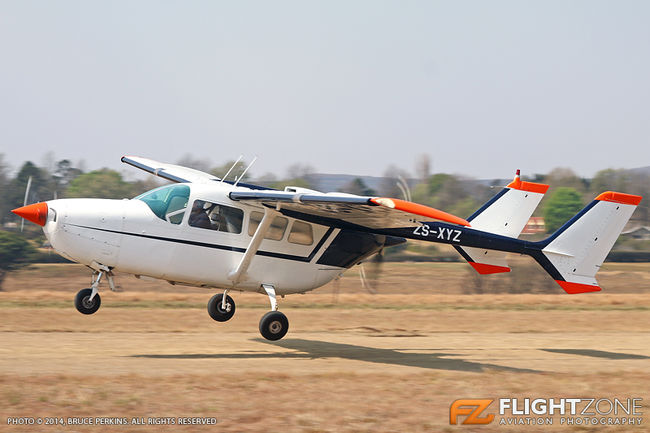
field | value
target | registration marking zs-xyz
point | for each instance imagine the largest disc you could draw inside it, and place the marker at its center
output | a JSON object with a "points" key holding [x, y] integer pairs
{"points": [[443, 233]]}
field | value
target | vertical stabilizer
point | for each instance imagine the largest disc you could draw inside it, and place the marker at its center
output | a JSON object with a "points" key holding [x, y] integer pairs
{"points": [[577, 250], [506, 214]]}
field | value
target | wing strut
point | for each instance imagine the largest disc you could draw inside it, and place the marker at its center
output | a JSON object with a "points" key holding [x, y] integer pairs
{"points": [[237, 273]]}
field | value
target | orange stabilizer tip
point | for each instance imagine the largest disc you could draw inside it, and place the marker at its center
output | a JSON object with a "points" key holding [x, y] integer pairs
{"points": [[573, 288], [619, 197], [36, 213], [528, 186], [484, 269], [418, 209]]}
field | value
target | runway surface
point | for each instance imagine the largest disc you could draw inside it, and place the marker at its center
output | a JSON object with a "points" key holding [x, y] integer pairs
{"points": [[361, 369]]}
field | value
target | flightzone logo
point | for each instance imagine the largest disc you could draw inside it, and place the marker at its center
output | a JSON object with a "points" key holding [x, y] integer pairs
{"points": [[548, 411]]}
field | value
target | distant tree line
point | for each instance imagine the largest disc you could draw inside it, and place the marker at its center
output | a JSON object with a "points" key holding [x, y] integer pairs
{"points": [[459, 195]]}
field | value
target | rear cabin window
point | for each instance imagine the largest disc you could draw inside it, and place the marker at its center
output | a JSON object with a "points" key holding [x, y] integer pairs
{"points": [[168, 202], [276, 229], [301, 233], [213, 216]]}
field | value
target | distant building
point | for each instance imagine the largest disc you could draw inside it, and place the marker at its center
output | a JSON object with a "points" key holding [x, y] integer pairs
{"points": [[534, 225], [641, 233]]}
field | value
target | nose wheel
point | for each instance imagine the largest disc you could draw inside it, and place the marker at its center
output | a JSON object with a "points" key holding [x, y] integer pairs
{"points": [[86, 303], [88, 300]]}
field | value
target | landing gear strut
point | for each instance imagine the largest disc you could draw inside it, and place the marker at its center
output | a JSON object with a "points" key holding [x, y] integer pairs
{"points": [[221, 307], [273, 325]]}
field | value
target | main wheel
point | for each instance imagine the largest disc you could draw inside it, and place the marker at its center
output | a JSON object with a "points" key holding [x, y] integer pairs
{"points": [[216, 311], [83, 303], [274, 325]]}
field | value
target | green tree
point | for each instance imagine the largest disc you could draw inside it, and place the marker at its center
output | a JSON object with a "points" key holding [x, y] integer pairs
{"points": [[18, 185], [358, 186], [15, 253], [63, 174], [561, 206], [102, 183], [4, 189]]}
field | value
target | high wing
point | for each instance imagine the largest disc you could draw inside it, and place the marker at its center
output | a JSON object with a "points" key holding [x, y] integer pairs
{"points": [[339, 209], [336, 209], [175, 173]]}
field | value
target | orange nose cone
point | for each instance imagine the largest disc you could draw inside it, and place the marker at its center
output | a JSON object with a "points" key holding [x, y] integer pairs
{"points": [[36, 213]]}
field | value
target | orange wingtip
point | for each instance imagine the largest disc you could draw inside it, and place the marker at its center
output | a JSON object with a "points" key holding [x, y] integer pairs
{"points": [[528, 186], [573, 288], [418, 209], [36, 213], [484, 269], [619, 197]]}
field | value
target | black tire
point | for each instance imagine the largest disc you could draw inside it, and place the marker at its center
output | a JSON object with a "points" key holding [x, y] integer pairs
{"points": [[274, 325], [84, 305], [216, 312]]}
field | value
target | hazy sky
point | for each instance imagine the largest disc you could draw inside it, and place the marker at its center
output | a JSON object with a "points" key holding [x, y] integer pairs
{"points": [[483, 87]]}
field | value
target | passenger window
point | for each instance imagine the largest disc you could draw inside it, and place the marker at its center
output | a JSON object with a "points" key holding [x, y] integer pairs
{"points": [[276, 229], [168, 202], [217, 217], [301, 233]]}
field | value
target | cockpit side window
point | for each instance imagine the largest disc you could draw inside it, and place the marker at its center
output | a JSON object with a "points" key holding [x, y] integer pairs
{"points": [[215, 216], [168, 202]]}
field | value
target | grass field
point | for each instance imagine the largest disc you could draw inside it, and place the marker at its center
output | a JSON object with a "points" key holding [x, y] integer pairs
{"points": [[352, 361]]}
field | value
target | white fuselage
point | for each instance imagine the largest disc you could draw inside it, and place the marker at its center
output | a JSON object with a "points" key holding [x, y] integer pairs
{"points": [[126, 235]]}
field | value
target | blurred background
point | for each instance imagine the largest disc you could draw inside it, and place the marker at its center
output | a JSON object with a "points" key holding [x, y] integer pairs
{"points": [[439, 101]]}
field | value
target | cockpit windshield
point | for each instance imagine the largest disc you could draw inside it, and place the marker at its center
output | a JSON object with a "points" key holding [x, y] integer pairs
{"points": [[167, 202]]}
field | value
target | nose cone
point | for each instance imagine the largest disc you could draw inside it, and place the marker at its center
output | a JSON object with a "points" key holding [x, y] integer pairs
{"points": [[36, 213]]}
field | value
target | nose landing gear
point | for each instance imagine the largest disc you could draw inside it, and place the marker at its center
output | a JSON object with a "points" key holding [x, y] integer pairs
{"points": [[85, 304], [88, 300]]}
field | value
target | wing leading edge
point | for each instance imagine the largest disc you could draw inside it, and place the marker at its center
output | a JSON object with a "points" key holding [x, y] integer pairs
{"points": [[369, 212]]}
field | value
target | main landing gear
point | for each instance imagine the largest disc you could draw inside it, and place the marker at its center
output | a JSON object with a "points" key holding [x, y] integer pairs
{"points": [[273, 325], [221, 307], [88, 300]]}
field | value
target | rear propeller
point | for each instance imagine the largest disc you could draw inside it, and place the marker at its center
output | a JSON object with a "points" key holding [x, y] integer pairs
{"points": [[370, 272]]}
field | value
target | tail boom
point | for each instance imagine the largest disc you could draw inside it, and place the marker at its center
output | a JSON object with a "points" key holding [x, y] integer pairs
{"points": [[572, 255]]}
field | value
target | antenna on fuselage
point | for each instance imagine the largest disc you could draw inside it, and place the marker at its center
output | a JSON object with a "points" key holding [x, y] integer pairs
{"points": [[244, 172], [233, 166]]}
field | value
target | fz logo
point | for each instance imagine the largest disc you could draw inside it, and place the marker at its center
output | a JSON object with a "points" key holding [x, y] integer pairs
{"points": [[443, 233], [471, 408]]}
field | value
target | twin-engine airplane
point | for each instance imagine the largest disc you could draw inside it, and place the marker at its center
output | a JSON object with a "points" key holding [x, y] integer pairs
{"points": [[208, 232]]}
